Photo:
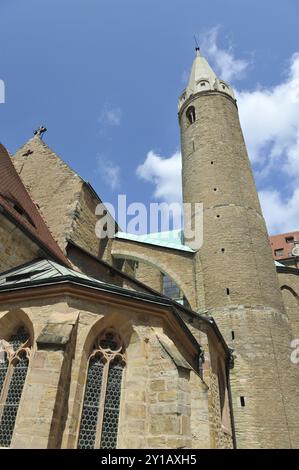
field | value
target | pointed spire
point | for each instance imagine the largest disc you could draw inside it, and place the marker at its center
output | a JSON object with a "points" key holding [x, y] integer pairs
{"points": [[200, 72], [203, 78]]}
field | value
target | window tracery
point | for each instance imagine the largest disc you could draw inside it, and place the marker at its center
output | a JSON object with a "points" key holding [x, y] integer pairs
{"points": [[14, 361], [100, 413]]}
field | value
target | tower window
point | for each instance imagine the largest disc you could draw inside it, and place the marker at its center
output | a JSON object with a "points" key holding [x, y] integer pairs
{"points": [[14, 359], [100, 414], [190, 113], [242, 401]]}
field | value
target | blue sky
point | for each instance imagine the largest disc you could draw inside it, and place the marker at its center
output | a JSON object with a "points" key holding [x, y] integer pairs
{"points": [[104, 78]]}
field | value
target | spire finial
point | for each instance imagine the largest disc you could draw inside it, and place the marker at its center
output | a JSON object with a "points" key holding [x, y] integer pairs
{"points": [[40, 131], [197, 48]]}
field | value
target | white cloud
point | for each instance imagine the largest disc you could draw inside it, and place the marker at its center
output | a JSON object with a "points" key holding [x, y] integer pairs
{"points": [[281, 216], [109, 172], [228, 67], [165, 174], [111, 116], [270, 120]]}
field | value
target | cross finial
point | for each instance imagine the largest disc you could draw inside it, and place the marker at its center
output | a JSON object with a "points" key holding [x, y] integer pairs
{"points": [[40, 131]]}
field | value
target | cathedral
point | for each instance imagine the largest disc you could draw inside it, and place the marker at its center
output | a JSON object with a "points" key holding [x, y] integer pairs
{"points": [[146, 341]]}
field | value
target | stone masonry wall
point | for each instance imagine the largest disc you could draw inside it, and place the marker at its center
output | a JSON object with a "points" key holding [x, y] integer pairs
{"points": [[162, 405], [15, 247], [51, 184], [180, 266]]}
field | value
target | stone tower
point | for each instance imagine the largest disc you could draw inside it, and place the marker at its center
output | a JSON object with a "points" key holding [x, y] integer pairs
{"points": [[240, 282]]}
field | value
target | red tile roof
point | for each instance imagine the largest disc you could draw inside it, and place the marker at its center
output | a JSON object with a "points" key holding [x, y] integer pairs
{"points": [[19, 207]]}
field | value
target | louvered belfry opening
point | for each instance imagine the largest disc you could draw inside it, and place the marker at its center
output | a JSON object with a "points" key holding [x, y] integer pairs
{"points": [[101, 405], [14, 361]]}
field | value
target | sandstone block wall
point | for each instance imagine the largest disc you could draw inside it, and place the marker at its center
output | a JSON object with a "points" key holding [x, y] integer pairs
{"points": [[180, 266], [15, 247]]}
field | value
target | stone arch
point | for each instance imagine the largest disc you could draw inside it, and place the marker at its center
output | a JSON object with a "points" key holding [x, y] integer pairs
{"points": [[12, 320], [291, 303], [164, 266], [114, 320]]}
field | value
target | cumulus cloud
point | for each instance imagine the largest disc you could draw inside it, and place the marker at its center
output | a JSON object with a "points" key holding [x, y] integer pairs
{"points": [[165, 174], [228, 67], [111, 116], [281, 215], [270, 120], [109, 172]]}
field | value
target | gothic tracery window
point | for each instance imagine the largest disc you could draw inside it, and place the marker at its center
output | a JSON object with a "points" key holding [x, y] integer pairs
{"points": [[100, 413], [14, 360]]}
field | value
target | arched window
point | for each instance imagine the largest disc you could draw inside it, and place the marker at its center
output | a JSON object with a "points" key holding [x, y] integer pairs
{"points": [[14, 359], [99, 420], [190, 113]]}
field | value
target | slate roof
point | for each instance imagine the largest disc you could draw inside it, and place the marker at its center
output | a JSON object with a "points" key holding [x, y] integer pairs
{"points": [[17, 205]]}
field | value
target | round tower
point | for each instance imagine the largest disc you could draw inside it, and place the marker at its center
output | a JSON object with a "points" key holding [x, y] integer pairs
{"points": [[240, 280]]}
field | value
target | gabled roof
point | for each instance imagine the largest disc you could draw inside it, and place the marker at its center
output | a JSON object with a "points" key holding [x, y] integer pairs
{"points": [[17, 205], [171, 239]]}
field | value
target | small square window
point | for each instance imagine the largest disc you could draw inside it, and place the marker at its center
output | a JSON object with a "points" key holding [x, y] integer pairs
{"points": [[290, 239], [279, 252]]}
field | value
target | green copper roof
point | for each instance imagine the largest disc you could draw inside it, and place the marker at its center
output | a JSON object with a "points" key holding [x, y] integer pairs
{"points": [[172, 239], [38, 271]]}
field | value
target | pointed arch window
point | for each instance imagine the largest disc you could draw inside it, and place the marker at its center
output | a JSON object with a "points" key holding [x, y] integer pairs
{"points": [[14, 360], [100, 413]]}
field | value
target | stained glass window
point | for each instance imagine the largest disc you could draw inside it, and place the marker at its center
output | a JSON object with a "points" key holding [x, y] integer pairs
{"points": [[14, 361], [99, 420]]}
